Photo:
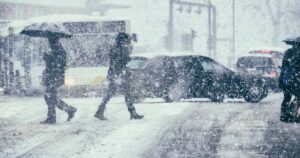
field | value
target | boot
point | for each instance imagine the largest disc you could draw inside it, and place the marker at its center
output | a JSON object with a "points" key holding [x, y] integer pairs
{"points": [[51, 116], [71, 113], [49, 120], [99, 113], [287, 117], [100, 116], [134, 115]]}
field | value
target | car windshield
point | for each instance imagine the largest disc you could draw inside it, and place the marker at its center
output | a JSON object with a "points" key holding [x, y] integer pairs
{"points": [[253, 62], [137, 64]]}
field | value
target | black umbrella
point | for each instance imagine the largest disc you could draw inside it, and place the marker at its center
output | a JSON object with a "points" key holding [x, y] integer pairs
{"points": [[292, 40], [46, 30]]}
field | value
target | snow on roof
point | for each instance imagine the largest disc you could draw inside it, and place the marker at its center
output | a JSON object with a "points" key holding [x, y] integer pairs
{"points": [[19, 25], [54, 3]]}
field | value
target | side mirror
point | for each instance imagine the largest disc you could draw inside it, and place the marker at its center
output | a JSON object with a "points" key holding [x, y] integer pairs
{"points": [[134, 37]]}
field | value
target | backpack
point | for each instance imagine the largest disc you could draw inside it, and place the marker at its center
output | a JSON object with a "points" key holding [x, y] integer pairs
{"points": [[291, 75], [286, 76]]}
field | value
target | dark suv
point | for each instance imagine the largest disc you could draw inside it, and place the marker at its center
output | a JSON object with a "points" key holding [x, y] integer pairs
{"points": [[263, 65], [191, 76]]}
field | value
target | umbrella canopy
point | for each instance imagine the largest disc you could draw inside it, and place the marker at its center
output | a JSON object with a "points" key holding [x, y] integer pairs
{"points": [[292, 40], [46, 30]]}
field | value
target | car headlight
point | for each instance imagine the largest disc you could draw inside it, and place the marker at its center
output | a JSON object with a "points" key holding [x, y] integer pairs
{"points": [[69, 81], [98, 80]]}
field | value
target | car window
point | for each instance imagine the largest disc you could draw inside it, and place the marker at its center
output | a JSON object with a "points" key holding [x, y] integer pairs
{"points": [[155, 65], [137, 64], [208, 66], [183, 65], [219, 68], [253, 62]]}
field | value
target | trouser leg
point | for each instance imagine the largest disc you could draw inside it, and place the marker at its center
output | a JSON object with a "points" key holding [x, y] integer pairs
{"points": [[51, 101], [129, 102], [128, 96], [286, 109], [109, 94], [64, 106]]}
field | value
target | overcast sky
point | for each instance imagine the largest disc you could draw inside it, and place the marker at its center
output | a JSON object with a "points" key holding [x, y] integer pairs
{"points": [[69, 3]]}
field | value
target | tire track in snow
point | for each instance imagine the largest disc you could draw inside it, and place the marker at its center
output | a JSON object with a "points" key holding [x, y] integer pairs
{"points": [[193, 135], [244, 138]]}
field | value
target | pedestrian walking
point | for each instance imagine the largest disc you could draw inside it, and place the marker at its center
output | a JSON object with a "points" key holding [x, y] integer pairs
{"points": [[54, 73], [119, 76], [289, 80], [53, 78]]}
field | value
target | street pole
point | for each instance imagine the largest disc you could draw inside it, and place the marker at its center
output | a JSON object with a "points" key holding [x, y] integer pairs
{"points": [[171, 36], [209, 29], [214, 27], [233, 28]]}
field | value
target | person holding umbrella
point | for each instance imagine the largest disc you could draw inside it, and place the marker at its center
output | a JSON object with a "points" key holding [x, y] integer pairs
{"points": [[53, 75], [119, 76], [289, 79]]}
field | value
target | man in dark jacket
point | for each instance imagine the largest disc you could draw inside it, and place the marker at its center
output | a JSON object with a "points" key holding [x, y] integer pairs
{"points": [[290, 68], [53, 78], [119, 76]]}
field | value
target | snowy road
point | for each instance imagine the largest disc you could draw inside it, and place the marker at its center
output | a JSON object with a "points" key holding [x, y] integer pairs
{"points": [[186, 129]]}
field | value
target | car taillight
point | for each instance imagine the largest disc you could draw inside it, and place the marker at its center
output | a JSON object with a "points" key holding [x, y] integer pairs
{"points": [[273, 74]]}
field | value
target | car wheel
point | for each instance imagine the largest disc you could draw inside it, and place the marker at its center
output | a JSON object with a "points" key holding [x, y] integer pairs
{"points": [[176, 92], [256, 93], [167, 99], [217, 97], [216, 93]]}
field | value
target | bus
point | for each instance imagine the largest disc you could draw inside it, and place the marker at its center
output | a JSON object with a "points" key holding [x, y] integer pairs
{"points": [[87, 52]]}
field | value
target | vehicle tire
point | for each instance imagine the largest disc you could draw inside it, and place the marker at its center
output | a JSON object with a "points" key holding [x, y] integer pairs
{"points": [[167, 99], [217, 97], [256, 93], [176, 92], [217, 94]]}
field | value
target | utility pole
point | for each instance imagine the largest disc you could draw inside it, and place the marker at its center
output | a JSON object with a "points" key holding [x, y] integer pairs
{"points": [[214, 31], [233, 28], [209, 44], [170, 33]]}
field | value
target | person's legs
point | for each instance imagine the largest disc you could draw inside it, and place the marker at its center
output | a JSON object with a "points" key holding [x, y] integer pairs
{"points": [[109, 94], [129, 101], [50, 99], [286, 109], [297, 102], [67, 108]]}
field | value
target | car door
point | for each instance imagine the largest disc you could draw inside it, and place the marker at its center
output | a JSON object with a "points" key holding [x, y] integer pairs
{"points": [[209, 78], [184, 78]]}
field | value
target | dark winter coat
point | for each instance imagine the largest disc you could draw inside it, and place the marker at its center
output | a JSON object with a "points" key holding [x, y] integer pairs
{"points": [[54, 73], [118, 58], [289, 79]]}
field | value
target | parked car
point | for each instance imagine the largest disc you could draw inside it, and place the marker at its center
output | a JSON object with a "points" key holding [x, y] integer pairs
{"points": [[264, 63], [193, 76]]}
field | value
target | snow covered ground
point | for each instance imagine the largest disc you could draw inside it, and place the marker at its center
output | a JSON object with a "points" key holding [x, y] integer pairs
{"points": [[229, 129], [84, 136]]}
